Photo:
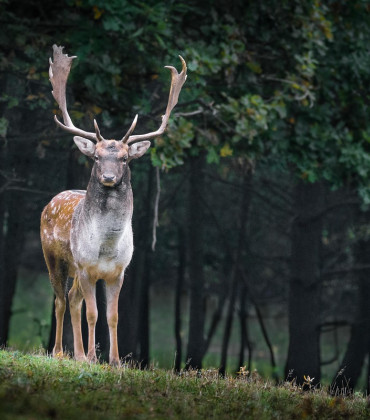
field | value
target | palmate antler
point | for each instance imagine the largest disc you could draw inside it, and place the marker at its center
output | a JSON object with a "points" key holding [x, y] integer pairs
{"points": [[59, 72], [177, 81]]}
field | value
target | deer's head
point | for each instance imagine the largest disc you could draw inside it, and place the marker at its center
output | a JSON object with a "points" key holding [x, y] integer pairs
{"points": [[111, 156]]}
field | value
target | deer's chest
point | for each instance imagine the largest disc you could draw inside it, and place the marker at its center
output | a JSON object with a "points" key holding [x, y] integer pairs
{"points": [[102, 245]]}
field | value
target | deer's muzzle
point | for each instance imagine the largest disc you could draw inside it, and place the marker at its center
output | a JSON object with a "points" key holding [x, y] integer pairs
{"points": [[109, 180]]}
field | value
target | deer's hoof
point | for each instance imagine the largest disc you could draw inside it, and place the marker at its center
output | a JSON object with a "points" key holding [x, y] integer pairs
{"points": [[58, 354], [92, 358], [80, 358], [115, 363]]}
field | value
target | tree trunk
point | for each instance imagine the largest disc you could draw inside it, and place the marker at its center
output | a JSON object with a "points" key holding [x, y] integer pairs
{"points": [[179, 285], [195, 347], [3, 337], [13, 244], [126, 314], [359, 343], [305, 284], [221, 298], [144, 312], [143, 328], [101, 329], [14, 162], [267, 340], [243, 220], [228, 324], [244, 336], [216, 318]]}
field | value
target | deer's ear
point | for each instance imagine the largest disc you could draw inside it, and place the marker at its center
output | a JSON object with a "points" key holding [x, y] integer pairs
{"points": [[87, 147], [137, 150]]}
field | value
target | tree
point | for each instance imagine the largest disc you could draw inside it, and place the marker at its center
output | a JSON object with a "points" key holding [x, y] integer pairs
{"points": [[195, 350]]}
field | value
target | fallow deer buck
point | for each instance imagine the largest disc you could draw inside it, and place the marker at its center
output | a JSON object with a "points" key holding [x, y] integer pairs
{"points": [[87, 235]]}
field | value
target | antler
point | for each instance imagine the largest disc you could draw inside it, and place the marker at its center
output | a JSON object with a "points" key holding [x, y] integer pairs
{"points": [[177, 81], [58, 74], [130, 130]]}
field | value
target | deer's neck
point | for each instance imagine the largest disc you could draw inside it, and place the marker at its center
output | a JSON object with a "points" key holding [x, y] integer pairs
{"points": [[101, 225], [110, 206]]}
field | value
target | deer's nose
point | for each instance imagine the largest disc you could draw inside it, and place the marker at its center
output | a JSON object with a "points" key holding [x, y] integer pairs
{"points": [[109, 178]]}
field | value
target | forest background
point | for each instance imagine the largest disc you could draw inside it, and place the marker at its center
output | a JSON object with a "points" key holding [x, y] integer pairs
{"points": [[262, 250]]}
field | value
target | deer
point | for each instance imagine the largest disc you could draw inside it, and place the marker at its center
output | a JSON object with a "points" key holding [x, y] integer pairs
{"points": [[87, 234]]}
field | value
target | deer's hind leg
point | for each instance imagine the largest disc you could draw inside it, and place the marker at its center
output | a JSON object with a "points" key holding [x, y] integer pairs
{"points": [[58, 273]]}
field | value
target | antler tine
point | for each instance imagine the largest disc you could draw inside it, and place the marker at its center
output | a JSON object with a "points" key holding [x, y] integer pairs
{"points": [[130, 130], [177, 81], [58, 74], [97, 132]]}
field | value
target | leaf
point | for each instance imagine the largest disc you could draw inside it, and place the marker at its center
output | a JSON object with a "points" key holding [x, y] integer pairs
{"points": [[3, 126], [138, 32], [96, 110], [97, 12], [226, 150], [12, 102], [255, 67], [212, 156], [77, 115], [110, 24], [154, 157], [160, 41]]}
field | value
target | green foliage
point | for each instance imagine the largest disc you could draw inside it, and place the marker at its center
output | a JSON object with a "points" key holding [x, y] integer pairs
{"points": [[294, 91], [38, 386], [171, 152], [282, 91]]}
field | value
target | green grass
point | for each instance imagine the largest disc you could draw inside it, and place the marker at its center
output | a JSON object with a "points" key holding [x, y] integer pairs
{"points": [[39, 387]]}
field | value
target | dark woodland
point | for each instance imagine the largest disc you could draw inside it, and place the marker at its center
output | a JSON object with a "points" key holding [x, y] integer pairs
{"points": [[254, 204]]}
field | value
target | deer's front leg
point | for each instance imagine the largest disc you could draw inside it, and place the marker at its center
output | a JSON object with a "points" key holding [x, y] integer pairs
{"points": [[75, 303], [88, 291], [112, 295]]}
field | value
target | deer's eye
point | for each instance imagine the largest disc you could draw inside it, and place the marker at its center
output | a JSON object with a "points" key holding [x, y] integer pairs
{"points": [[124, 159], [96, 158]]}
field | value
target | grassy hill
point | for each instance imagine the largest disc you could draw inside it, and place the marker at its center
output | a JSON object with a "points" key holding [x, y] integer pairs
{"points": [[39, 387]]}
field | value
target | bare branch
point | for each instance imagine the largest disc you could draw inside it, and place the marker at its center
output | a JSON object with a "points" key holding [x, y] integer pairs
{"points": [[189, 114], [156, 204], [10, 180]]}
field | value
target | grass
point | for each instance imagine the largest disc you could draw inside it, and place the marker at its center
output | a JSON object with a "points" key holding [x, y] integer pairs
{"points": [[39, 387]]}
